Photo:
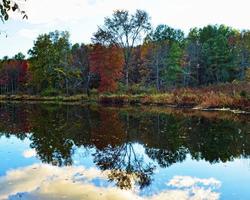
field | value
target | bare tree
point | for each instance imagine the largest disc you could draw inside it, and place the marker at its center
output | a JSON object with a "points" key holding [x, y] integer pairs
{"points": [[125, 31]]}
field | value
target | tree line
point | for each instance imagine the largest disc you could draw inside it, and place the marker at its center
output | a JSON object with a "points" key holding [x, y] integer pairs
{"points": [[127, 54]]}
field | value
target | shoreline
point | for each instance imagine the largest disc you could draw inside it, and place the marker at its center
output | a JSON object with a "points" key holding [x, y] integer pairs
{"points": [[123, 100]]}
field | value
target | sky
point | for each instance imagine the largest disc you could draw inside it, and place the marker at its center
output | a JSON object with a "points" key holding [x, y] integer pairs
{"points": [[81, 18]]}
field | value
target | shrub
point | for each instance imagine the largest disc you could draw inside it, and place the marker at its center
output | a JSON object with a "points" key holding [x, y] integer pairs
{"points": [[50, 92], [243, 93], [217, 100]]}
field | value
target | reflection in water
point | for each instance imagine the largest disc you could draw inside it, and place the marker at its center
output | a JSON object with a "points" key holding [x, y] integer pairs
{"points": [[125, 165], [42, 181], [56, 132], [29, 153]]}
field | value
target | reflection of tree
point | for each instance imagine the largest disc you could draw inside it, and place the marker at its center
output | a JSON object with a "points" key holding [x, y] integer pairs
{"points": [[116, 153], [56, 131], [218, 141], [210, 140], [50, 139], [161, 134], [125, 165], [13, 120], [110, 130], [166, 158]]}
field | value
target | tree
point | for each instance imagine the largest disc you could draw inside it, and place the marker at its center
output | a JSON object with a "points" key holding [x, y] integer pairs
{"points": [[124, 31], [191, 72], [107, 62], [211, 55], [173, 69], [139, 71], [154, 54], [165, 46], [49, 57], [19, 56], [80, 62], [7, 6], [217, 54], [165, 33], [13, 75], [242, 43]]}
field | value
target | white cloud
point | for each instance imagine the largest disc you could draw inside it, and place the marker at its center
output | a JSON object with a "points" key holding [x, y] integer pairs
{"points": [[41, 181], [29, 33], [81, 17], [180, 13]]}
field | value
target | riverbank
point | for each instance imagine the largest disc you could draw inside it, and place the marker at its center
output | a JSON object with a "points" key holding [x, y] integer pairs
{"points": [[231, 97]]}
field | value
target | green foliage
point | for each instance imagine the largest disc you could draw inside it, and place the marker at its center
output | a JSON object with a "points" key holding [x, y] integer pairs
{"points": [[166, 60], [165, 33], [19, 56], [141, 89], [50, 92], [171, 73], [50, 59], [243, 93], [212, 55]]}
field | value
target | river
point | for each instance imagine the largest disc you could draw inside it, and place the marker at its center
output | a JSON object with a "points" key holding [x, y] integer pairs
{"points": [[51, 151]]}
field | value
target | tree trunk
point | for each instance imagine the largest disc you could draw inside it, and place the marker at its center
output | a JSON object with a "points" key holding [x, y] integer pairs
{"points": [[127, 78], [157, 74], [67, 87], [87, 85]]}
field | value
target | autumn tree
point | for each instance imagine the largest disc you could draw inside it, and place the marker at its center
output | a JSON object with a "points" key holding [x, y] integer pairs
{"points": [[107, 62], [80, 63], [192, 70], [154, 55], [139, 71], [13, 75], [242, 44], [124, 31]]}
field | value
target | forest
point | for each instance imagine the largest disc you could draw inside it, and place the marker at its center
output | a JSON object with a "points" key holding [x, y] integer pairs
{"points": [[128, 56]]}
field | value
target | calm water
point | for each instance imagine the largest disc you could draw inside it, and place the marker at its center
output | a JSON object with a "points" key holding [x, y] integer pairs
{"points": [[93, 152]]}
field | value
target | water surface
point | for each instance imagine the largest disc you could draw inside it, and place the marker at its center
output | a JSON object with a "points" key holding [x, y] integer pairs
{"points": [[93, 152]]}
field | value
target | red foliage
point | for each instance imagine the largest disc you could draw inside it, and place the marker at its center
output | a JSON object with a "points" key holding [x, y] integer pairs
{"points": [[13, 72], [108, 63]]}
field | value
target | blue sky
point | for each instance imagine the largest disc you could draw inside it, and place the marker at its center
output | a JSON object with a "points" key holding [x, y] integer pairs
{"points": [[81, 17]]}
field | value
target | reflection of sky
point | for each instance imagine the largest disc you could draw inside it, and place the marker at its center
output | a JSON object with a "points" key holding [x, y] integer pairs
{"points": [[41, 181], [23, 174], [11, 153]]}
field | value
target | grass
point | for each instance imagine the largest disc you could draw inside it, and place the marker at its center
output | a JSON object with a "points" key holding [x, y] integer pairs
{"points": [[231, 96]]}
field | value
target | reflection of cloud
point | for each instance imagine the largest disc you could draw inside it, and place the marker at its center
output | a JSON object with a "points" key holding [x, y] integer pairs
{"points": [[196, 188], [194, 194], [41, 181], [188, 181], [29, 153]]}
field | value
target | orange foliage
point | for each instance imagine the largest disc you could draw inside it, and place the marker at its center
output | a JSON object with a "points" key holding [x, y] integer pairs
{"points": [[108, 63]]}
